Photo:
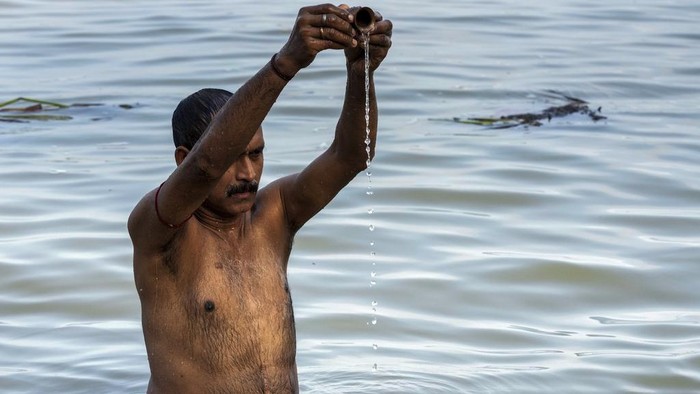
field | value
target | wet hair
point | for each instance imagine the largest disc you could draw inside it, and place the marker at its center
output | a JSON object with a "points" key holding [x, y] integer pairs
{"points": [[193, 115]]}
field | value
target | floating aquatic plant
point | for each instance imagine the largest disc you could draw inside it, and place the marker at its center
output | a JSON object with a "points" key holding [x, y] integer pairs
{"points": [[573, 106], [35, 102], [36, 110]]}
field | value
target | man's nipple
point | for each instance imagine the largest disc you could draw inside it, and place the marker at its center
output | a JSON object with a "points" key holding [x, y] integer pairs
{"points": [[209, 306]]}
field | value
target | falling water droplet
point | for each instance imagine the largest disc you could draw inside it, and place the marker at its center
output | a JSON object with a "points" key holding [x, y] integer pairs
{"points": [[375, 347], [371, 227]]}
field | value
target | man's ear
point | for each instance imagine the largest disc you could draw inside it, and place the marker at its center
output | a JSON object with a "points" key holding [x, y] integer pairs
{"points": [[180, 154]]}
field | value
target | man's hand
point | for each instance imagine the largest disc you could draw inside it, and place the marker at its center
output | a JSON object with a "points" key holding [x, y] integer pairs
{"points": [[379, 44], [317, 28]]}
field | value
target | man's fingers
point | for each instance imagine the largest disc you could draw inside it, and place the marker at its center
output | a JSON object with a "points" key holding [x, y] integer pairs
{"points": [[380, 41], [334, 28], [381, 35], [378, 17], [327, 44], [332, 21], [336, 37], [383, 27], [332, 10]]}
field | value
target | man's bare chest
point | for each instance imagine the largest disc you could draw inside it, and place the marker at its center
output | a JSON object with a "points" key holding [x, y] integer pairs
{"points": [[245, 275], [230, 304]]}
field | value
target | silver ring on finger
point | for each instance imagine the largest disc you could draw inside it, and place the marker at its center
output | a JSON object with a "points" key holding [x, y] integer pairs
{"points": [[322, 35]]}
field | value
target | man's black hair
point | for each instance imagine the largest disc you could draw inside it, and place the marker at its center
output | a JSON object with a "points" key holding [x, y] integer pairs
{"points": [[193, 115]]}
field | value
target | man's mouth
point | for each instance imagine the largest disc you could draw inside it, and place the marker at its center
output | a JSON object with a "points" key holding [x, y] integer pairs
{"points": [[243, 190]]}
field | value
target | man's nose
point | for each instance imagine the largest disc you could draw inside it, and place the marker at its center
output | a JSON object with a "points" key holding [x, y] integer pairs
{"points": [[245, 171]]}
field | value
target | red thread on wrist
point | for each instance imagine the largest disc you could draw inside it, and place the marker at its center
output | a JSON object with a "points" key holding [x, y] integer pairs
{"points": [[277, 71], [161, 219]]}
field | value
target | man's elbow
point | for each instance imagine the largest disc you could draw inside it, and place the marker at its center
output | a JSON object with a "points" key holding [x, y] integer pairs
{"points": [[205, 168], [355, 161]]}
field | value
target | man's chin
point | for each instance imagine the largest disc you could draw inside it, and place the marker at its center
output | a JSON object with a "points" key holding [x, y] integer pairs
{"points": [[242, 202]]}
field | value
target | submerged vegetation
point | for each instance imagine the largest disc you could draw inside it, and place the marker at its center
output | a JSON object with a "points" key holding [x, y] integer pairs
{"points": [[571, 106], [23, 110]]}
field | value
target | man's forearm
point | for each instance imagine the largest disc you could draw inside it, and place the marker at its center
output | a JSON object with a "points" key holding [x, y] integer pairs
{"points": [[236, 123], [351, 129]]}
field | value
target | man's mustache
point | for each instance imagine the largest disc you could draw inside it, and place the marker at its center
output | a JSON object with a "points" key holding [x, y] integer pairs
{"points": [[243, 187]]}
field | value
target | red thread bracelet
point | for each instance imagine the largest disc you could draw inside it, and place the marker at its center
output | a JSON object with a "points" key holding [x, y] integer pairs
{"points": [[161, 219]]}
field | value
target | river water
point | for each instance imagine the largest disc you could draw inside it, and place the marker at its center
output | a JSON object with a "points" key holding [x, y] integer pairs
{"points": [[560, 258]]}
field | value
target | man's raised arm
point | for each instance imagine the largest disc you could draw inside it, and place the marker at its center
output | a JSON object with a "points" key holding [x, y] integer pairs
{"points": [[230, 131], [306, 193]]}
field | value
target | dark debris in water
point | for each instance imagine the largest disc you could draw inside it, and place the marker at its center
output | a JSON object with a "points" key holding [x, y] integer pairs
{"points": [[573, 105], [24, 110]]}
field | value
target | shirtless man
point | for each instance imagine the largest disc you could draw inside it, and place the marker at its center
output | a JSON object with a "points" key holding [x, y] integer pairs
{"points": [[211, 252]]}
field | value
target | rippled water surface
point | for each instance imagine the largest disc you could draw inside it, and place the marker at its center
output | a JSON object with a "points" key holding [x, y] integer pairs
{"points": [[560, 258]]}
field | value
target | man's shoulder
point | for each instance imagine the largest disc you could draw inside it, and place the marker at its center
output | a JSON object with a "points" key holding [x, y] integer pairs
{"points": [[148, 234], [269, 197], [270, 202], [138, 214]]}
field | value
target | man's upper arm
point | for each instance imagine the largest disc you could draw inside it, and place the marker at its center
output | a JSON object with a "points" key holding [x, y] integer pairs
{"points": [[306, 193]]}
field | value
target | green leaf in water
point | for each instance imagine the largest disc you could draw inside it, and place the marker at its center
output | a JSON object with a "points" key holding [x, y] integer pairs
{"points": [[31, 100], [40, 117]]}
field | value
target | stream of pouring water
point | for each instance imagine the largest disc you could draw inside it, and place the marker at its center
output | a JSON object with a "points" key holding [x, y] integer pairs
{"points": [[365, 38], [370, 211]]}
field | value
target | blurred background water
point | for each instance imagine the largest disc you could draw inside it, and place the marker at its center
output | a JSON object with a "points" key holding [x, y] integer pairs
{"points": [[560, 258]]}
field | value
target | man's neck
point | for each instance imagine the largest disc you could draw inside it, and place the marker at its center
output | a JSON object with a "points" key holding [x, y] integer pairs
{"points": [[220, 223]]}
